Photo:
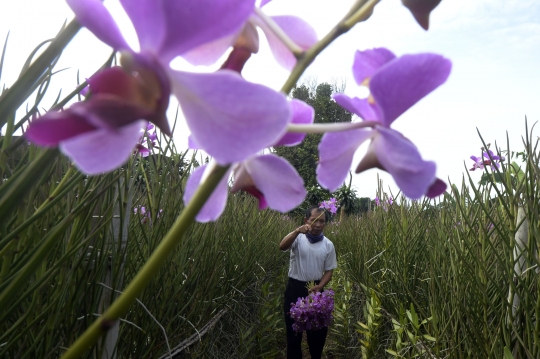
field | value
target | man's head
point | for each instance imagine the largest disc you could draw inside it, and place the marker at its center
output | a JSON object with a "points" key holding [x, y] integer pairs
{"points": [[315, 217]]}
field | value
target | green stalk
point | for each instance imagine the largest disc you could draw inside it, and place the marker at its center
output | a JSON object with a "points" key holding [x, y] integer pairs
{"points": [[341, 28]]}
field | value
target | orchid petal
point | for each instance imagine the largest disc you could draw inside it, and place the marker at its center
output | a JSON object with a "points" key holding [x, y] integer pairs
{"points": [[336, 151], [215, 204], [207, 54], [102, 150], [299, 31], [192, 144], [302, 113], [148, 19], [191, 23], [436, 189], [96, 18], [400, 157], [264, 2], [230, 118], [405, 81], [367, 63], [277, 180], [54, 127], [358, 106]]}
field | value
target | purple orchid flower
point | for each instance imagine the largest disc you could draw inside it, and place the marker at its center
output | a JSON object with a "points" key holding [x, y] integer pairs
{"points": [[98, 134], [166, 29], [269, 178], [299, 31], [396, 84], [478, 163], [377, 201], [210, 102]]}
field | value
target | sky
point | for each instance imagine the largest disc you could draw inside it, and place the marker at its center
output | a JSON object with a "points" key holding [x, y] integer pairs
{"points": [[494, 46]]}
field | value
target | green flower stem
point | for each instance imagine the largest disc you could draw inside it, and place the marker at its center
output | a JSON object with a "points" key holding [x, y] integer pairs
{"points": [[341, 28], [159, 257], [18, 93]]}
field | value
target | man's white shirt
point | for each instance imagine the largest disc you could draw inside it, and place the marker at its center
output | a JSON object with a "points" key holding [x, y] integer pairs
{"points": [[309, 261]]}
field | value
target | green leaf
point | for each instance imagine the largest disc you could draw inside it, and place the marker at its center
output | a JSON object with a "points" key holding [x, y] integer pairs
{"points": [[507, 353]]}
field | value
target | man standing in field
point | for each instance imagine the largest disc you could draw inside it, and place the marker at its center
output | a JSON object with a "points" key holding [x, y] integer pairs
{"points": [[313, 257]]}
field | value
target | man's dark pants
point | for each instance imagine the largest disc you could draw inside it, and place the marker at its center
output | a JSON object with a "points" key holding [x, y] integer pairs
{"points": [[315, 338]]}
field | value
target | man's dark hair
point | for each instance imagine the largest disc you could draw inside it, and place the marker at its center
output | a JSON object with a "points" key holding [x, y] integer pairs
{"points": [[309, 210]]}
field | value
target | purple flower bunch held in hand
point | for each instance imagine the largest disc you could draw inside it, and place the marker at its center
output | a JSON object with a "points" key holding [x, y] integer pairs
{"points": [[395, 84], [313, 312], [330, 205]]}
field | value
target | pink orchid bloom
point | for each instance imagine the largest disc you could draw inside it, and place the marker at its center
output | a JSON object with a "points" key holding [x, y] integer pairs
{"points": [[269, 178], [166, 29], [478, 163], [299, 31], [395, 85]]}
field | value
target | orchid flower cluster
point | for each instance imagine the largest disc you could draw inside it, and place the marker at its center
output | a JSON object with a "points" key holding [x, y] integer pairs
{"points": [[384, 204], [329, 205], [313, 312], [231, 119], [488, 159], [146, 214], [149, 139]]}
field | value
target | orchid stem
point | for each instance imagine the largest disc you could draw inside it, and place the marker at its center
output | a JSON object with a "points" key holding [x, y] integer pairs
{"points": [[332, 127], [278, 31], [341, 28], [159, 257]]}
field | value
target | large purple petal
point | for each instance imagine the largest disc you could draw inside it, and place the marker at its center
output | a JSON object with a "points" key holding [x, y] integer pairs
{"points": [[148, 18], [336, 152], [230, 118], [298, 31], [367, 63], [54, 127], [400, 157], [358, 106], [281, 185], [208, 53], [405, 81], [102, 150], [215, 204], [191, 23], [96, 18], [302, 113]]}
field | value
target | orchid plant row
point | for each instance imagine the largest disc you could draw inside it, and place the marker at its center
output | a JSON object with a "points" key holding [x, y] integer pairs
{"points": [[231, 119]]}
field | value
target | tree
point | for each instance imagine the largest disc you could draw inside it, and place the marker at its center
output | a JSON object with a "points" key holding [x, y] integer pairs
{"points": [[305, 156]]}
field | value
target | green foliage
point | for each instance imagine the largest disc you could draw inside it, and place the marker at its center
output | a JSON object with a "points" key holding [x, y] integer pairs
{"points": [[304, 157]]}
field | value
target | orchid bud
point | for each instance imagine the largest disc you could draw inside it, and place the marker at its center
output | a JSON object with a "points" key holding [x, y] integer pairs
{"points": [[421, 10]]}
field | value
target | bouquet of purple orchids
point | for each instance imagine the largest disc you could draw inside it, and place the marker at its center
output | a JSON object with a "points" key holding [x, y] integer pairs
{"points": [[313, 312]]}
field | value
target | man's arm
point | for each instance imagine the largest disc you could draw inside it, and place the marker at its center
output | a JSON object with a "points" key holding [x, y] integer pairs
{"points": [[287, 242], [327, 276]]}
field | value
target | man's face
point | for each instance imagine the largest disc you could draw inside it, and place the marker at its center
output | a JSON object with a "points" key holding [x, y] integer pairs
{"points": [[317, 225]]}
